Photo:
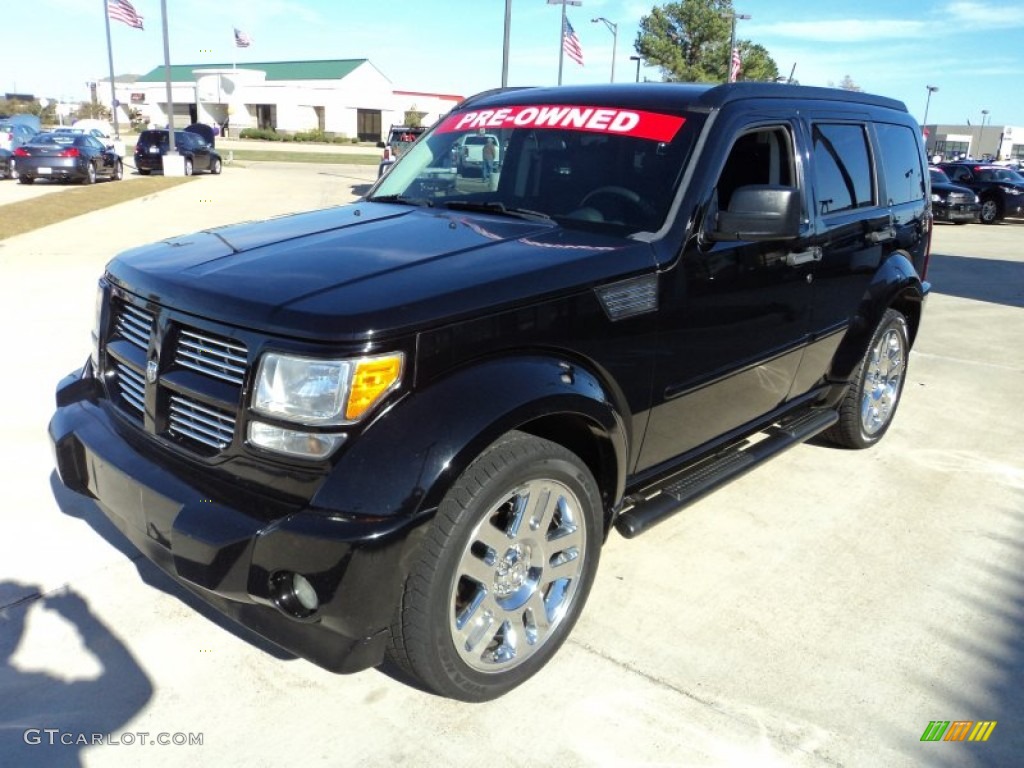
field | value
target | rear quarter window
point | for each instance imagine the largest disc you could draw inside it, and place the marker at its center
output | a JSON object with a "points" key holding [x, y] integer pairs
{"points": [[901, 163]]}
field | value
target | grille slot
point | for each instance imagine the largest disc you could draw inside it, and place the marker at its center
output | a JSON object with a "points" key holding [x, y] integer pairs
{"points": [[212, 356], [203, 424], [132, 387], [135, 325]]}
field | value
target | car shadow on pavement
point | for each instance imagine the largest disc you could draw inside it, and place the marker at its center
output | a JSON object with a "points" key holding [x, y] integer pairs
{"points": [[46, 719], [83, 508], [991, 280]]}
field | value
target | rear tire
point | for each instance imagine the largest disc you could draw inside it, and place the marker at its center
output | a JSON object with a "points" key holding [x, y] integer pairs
{"points": [[143, 171], [869, 405], [502, 572], [215, 168], [26, 179], [188, 167], [118, 172]]}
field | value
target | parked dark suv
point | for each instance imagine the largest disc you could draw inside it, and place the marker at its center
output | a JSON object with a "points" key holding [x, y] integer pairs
{"points": [[1000, 189], [197, 149], [404, 427], [952, 202]]}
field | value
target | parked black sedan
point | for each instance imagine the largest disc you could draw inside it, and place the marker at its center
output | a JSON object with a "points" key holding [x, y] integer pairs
{"points": [[66, 157], [198, 151], [1000, 189], [952, 202]]}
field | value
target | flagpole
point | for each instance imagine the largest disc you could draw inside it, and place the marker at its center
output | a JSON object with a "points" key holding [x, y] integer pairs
{"points": [[561, 44], [167, 80], [110, 59]]}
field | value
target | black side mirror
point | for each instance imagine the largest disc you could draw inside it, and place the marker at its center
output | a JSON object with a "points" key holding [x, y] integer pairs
{"points": [[759, 212]]}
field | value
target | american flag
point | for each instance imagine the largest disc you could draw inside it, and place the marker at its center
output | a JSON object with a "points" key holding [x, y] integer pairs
{"points": [[122, 10], [571, 43], [242, 40], [734, 70]]}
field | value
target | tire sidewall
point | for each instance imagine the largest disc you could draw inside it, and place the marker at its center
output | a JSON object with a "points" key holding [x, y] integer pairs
{"points": [[444, 669], [892, 320]]}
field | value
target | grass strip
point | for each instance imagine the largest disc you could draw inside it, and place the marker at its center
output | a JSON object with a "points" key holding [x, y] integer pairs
{"points": [[283, 156], [26, 215]]}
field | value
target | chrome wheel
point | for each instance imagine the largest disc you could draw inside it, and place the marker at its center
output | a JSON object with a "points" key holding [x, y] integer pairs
{"points": [[989, 211], [518, 576], [502, 572], [883, 381]]}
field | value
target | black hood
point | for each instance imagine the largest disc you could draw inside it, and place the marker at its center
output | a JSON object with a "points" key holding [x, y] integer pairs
{"points": [[369, 269]]}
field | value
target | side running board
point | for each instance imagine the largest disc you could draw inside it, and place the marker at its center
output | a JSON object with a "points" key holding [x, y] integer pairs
{"points": [[695, 482]]}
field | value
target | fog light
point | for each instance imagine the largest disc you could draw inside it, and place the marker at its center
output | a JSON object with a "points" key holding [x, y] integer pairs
{"points": [[293, 594]]}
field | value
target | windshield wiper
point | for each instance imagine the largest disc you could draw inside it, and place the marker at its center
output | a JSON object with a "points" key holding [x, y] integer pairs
{"points": [[402, 200], [496, 207]]}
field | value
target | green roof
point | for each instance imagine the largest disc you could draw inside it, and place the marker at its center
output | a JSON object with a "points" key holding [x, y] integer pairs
{"points": [[332, 69]]}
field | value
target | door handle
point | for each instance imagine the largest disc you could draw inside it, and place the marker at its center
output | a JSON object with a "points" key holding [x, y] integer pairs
{"points": [[795, 259], [881, 236]]}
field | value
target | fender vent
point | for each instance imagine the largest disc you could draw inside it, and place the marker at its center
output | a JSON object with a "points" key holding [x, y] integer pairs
{"points": [[627, 298]]}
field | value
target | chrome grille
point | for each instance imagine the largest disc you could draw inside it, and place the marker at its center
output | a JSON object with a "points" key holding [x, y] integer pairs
{"points": [[959, 198], [135, 325], [204, 424], [217, 357], [132, 387]]}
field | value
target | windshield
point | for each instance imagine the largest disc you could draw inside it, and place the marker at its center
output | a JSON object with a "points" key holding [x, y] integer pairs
{"points": [[998, 174], [939, 177], [612, 170]]}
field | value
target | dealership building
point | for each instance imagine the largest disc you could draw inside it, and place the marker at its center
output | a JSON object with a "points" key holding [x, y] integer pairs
{"points": [[1000, 142], [341, 97]]}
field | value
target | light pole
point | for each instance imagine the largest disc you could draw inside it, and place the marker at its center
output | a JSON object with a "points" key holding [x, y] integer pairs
{"points": [[614, 29], [732, 44], [931, 89], [981, 134], [637, 60]]}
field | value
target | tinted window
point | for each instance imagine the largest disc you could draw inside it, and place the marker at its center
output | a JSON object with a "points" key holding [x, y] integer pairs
{"points": [[764, 156], [842, 167], [901, 163]]}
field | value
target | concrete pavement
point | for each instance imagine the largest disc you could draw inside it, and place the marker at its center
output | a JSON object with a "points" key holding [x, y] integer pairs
{"points": [[820, 611]]}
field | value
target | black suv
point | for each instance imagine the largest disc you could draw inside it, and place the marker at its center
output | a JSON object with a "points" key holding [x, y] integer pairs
{"points": [[952, 202], [406, 426], [198, 150], [1000, 189]]}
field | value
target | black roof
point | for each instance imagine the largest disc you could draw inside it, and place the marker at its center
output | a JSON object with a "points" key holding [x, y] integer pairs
{"points": [[706, 96]]}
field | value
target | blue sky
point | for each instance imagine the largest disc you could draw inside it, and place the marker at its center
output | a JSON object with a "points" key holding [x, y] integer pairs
{"points": [[971, 49]]}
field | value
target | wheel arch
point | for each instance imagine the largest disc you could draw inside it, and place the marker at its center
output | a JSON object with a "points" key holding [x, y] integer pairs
{"points": [[406, 460], [895, 285]]}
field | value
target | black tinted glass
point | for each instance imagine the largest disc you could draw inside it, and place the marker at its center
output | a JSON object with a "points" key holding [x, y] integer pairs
{"points": [[842, 167], [901, 163]]}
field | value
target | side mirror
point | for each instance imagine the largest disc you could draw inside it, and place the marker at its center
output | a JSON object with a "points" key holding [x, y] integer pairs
{"points": [[759, 212], [381, 145]]}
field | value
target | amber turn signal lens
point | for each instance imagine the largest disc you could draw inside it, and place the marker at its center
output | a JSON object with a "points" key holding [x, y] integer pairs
{"points": [[373, 378]]}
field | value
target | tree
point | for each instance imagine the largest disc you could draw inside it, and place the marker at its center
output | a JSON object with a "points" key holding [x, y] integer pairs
{"points": [[689, 41], [847, 84]]}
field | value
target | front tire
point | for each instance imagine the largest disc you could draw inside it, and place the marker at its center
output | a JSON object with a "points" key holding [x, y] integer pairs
{"points": [[26, 179], [869, 405], [503, 571], [215, 167], [90, 175], [990, 212], [188, 167], [118, 171]]}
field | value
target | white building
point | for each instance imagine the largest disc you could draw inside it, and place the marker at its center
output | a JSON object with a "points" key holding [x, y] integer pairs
{"points": [[348, 97]]}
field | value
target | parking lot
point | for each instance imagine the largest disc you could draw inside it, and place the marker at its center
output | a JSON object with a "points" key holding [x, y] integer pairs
{"points": [[823, 610]]}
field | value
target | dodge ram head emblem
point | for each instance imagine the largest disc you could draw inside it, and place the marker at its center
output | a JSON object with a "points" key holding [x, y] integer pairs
{"points": [[151, 371]]}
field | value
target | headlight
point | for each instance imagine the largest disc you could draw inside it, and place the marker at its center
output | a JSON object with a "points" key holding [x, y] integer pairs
{"points": [[1012, 190], [936, 198], [97, 319], [319, 392]]}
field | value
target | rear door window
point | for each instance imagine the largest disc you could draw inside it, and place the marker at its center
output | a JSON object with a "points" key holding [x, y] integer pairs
{"points": [[901, 163], [842, 167]]}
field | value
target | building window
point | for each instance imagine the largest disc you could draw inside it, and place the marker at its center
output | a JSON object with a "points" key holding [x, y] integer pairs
{"points": [[951, 149], [368, 127], [266, 116]]}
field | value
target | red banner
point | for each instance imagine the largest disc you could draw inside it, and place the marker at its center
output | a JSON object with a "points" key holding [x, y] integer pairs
{"points": [[621, 122]]}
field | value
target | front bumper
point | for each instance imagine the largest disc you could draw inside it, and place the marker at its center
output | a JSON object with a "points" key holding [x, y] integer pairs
{"points": [[969, 212], [211, 544]]}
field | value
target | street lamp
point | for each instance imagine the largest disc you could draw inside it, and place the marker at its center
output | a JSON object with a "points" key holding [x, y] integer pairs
{"points": [[732, 43], [637, 60], [981, 134], [614, 29], [931, 89]]}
